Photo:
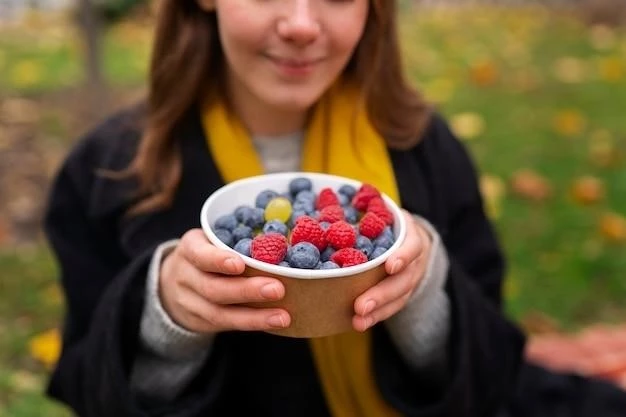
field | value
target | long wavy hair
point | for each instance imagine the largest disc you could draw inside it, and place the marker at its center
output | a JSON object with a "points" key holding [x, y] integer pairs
{"points": [[187, 62]]}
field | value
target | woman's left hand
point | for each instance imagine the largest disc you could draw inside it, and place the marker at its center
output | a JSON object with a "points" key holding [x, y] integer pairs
{"points": [[406, 267]]}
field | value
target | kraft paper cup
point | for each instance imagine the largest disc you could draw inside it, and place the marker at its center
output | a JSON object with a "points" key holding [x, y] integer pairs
{"points": [[320, 302]]}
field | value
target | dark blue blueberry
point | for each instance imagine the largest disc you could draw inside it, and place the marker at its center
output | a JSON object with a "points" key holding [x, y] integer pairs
{"points": [[347, 190], [254, 218], [344, 200], [300, 184], [243, 246], [242, 212], [294, 216], [304, 205], [227, 221], [306, 195], [324, 225], [377, 252], [327, 253], [384, 241], [329, 265], [388, 232], [225, 236], [242, 232], [276, 226], [364, 245], [351, 215], [303, 255], [265, 197], [287, 196]]}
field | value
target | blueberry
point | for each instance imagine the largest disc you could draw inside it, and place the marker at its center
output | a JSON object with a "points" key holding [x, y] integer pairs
{"points": [[228, 222], [303, 255], [276, 226], [344, 200], [327, 253], [242, 212], [225, 236], [265, 197], [324, 225], [377, 252], [288, 196], [294, 216], [254, 218], [329, 265], [347, 190], [304, 205], [300, 184], [306, 195], [388, 232], [384, 241], [242, 232], [351, 215], [243, 246], [364, 245]]}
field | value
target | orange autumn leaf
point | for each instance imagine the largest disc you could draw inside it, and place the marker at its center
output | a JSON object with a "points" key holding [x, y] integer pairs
{"points": [[587, 190], [46, 347], [530, 185], [613, 227], [569, 122], [484, 73]]}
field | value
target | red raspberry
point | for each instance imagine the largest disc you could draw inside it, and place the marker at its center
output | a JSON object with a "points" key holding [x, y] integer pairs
{"points": [[331, 214], [371, 225], [270, 248], [327, 197], [341, 235], [348, 257], [378, 207], [307, 229], [362, 197]]}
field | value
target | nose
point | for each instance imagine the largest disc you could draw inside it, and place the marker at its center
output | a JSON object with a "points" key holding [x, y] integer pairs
{"points": [[300, 24]]}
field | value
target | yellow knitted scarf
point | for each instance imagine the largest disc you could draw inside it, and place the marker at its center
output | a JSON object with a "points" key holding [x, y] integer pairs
{"points": [[339, 140]]}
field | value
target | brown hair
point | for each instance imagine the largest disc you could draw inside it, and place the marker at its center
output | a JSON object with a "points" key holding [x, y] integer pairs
{"points": [[187, 58]]}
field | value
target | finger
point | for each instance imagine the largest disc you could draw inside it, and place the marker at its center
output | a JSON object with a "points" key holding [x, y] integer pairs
{"points": [[409, 250], [362, 323], [197, 249], [387, 290], [215, 318], [233, 290]]}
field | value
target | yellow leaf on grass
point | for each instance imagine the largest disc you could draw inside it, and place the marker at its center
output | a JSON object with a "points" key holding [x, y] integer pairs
{"points": [[570, 70], [569, 122], [613, 227], [611, 69], [467, 125], [603, 151], [587, 190], [46, 347], [493, 190], [484, 73], [26, 74]]}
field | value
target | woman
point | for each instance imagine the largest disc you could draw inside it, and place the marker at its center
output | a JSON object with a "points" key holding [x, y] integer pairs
{"points": [[237, 88]]}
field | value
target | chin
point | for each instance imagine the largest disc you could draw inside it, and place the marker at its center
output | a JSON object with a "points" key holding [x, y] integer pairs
{"points": [[290, 99]]}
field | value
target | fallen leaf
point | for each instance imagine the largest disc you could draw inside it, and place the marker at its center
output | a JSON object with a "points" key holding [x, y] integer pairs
{"points": [[46, 347], [603, 151], [613, 227], [611, 69], [467, 125], [602, 37], [24, 381], [569, 122], [570, 70], [530, 185], [26, 73], [484, 73], [493, 190], [587, 190]]}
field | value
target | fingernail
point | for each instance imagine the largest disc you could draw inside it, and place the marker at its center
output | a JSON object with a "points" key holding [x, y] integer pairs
{"points": [[397, 266], [369, 307], [276, 321], [230, 264], [369, 322], [269, 291]]}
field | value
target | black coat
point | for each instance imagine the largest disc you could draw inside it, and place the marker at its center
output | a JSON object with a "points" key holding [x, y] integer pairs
{"points": [[104, 257]]}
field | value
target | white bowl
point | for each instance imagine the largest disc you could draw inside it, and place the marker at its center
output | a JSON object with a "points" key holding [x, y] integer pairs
{"points": [[320, 301]]}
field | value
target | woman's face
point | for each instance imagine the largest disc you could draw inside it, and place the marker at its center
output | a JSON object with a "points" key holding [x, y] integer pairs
{"points": [[286, 53]]}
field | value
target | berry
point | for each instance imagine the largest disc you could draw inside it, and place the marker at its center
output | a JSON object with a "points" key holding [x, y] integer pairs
{"points": [[225, 236], [243, 246], [341, 235], [348, 257], [278, 208], [384, 241], [288, 196], [327, 253], [377, 252], [344, 200], [325, 225], [307, 229], [294, 217], [300, 184], [377, 206], [364, 245], [276, 226], [308, 206], [327, 197], [242, 212], [350, 214], [228, 222], [242, 232], [331, 214], [303, 255], [306, 195], [264, 197], [347, 190], [388, 232], [371, 225], [363, 197], [328, 265], [251, 217], [270, 248]]}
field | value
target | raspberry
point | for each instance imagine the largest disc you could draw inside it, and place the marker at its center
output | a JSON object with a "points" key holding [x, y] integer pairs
{"points": [[348, 257], [270, 248], [331, 214], [327, 197], [371, 225], [307, 229], [363, 197], [378, 207], [341, 235]]}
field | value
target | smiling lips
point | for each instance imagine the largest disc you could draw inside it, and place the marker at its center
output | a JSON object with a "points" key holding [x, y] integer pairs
{"points": [[294, 67]]}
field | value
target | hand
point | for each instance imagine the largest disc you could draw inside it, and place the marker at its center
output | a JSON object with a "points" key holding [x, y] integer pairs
{"points": [[406, 267], [201, 285]]}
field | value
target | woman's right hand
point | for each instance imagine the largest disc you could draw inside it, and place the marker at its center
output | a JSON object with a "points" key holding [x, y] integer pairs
{"points": [[201, 286]]}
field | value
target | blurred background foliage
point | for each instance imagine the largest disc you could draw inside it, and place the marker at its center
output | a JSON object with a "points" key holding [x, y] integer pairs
{"points": [[536, 90]]}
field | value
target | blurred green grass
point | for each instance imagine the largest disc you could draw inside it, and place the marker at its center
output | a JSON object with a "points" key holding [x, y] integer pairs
{"points": [[517, 71]]}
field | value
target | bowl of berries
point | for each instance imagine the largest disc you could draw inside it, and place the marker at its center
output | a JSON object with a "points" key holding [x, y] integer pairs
{"points": [[325, 237]]}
